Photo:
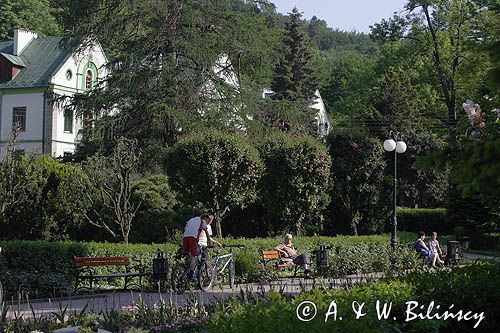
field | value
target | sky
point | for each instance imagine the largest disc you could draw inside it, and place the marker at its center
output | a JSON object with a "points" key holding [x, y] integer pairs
{"points": [[348, 15]]}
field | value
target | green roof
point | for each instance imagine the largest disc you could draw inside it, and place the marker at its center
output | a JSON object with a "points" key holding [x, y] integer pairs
{"points": [[15, 60], [42, 57]]}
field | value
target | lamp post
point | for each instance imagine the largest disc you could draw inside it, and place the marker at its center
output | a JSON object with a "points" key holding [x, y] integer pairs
{"points": [[396, 144]]}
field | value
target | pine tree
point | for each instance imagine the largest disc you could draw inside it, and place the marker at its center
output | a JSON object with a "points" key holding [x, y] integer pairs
{"points": [[294, 77]]}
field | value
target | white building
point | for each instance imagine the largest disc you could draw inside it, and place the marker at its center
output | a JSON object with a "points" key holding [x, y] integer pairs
{"points": [[323, 124], [36, 74]]}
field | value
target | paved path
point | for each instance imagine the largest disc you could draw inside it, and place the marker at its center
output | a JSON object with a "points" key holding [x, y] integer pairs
{"points": [[117, 299], [476, 256]]}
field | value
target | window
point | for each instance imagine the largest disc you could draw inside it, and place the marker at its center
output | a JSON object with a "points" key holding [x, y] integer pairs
{"points": [[69, 75], [68, 121], [88, 79], [19, 118]]}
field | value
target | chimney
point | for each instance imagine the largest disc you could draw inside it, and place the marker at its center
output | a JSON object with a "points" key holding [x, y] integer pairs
{"points": [[22, 38]]}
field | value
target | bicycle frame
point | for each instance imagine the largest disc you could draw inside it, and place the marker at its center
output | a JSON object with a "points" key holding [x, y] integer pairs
{"points": [[218, 259]]}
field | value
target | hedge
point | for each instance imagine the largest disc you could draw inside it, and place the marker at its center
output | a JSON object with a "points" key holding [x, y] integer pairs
{"points": [[43, 268], [488, 242], [425, 219], [471, 288]]}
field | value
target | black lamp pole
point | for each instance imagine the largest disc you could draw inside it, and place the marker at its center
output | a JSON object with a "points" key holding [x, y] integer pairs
{"points": [[394, 233], [398, 146]]}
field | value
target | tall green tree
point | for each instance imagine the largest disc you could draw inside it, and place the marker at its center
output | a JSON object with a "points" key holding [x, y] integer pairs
{"points": [[35, 15], [294, 77]]}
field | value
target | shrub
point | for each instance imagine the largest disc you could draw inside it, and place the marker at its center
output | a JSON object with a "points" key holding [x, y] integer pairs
{"points": [[488, 242], [52, 262], [295, 182], [358, 179], [425, 219], [219, 171], [473, 288]]}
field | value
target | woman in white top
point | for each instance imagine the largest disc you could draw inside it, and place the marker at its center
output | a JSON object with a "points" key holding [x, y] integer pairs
{"points": [[435, 248]]}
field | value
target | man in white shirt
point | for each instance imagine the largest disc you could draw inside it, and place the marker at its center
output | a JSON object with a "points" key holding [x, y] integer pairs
{"points": [[194, 227]]}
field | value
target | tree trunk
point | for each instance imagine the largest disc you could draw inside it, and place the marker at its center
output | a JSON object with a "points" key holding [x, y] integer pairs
{"points": [[218, 225]]}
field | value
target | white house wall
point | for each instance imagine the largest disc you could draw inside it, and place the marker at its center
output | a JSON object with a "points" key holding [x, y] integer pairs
{"points": [[30, 140]]}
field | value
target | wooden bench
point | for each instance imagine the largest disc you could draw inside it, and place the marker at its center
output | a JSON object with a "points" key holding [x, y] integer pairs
{"points": [[275, 258], [85, 267]]}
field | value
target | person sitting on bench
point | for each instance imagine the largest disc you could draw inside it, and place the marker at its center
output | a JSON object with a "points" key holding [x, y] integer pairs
{"points": [[288, 251], [423, 250]]}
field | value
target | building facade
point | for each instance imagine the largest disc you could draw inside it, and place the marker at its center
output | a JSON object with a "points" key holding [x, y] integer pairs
{"points": [[38, 76]]}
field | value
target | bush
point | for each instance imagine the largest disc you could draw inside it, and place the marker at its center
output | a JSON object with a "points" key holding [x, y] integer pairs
{"points": [[473, 288], [425, 219], [295, 182], [487, 242], [357, 194], [46, 268], [217, 170]]}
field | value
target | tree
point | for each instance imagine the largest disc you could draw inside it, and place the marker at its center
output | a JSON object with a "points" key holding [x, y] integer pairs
{"points": [[357, 174], [295, 182], [36, 15], [107, 186], [441, 30], [294, 78], [215, 171]]}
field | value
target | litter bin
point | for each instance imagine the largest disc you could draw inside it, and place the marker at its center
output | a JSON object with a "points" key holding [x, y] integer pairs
{"points": [[453, 252], [160, 266], [322, 259], [464, 241]]}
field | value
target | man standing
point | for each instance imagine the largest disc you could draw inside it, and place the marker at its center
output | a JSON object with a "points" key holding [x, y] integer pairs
{"points": [[194, 227]]}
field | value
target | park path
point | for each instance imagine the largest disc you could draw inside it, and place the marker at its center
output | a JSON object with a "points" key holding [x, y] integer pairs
{"points": [[117, 299]]}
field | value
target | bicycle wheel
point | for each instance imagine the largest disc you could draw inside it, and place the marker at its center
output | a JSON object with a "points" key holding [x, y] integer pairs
{"points": [[206, 276], [179, 278], [232, 273]]}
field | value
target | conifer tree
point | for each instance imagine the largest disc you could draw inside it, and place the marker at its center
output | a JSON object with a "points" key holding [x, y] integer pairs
{"points": [[294, 76]]}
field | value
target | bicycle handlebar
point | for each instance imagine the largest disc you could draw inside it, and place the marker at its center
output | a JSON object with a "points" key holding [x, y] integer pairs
{"points": [[228, 245]]}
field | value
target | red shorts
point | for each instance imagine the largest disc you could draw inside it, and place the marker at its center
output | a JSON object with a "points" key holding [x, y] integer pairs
{"points": [[190, 244]]}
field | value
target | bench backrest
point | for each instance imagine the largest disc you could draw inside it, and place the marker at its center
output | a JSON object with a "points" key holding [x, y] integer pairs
{"points": [[103, 261], [271, 254]]}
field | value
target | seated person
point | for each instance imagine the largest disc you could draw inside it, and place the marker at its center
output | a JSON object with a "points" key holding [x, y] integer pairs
{"points": [[435, 247], [424, 251], [288, 251]]}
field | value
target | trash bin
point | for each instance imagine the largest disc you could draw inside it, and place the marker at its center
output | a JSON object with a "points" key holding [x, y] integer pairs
{"points": [[464, 241], [160, 266], [453, 252], [322, 259]]}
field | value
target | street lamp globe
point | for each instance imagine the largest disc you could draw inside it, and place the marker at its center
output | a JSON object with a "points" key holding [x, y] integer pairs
{"points": [[390, 145], [400, 147]]}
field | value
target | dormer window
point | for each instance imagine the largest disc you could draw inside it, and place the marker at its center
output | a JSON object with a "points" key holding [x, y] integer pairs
{"points": [[88, 79]]}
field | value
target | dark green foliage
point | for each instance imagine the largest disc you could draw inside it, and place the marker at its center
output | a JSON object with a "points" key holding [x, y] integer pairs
{"points": [[472, 288], [294, 78], [215, 171], [485, 241], [35, 15], [423, 219], [48, 266], [295, 182], [40, 198], [358, 203]]}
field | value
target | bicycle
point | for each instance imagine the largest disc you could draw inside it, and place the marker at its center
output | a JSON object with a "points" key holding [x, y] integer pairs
{"points": [[221, 262], [181, 273]]}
